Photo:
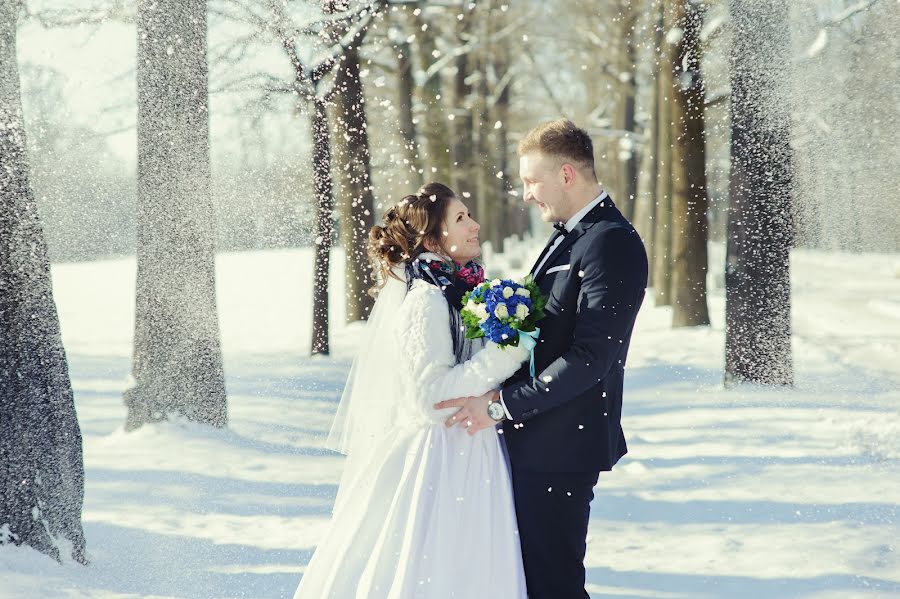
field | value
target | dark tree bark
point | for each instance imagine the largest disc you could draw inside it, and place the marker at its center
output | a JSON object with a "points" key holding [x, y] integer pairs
{"points": [[177, 363], [488, 210], [757, 276], [513, 218], [307, 81], [357, 203], [690, 201], [406, 89], [41, 463], [629, 166], [463, 179], [324, 232], [434, 122]]}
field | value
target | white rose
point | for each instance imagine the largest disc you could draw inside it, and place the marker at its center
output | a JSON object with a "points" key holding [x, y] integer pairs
{"points": [[523, 292], [496, 283], [507, 292], [522, 311], [481, 312], [501, 311]]}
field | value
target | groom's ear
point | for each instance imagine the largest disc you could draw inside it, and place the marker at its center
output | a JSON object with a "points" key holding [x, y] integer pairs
{"points": [[569, 173]]}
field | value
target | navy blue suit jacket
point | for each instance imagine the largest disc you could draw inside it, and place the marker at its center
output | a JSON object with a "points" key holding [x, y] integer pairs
{"points": [[568, 417]]}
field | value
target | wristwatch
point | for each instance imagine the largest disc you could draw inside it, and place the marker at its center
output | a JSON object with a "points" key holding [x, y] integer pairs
{"points": [[496, 412]]}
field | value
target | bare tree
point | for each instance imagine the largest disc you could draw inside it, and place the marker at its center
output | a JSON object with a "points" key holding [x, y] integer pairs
{"points": [[689, 190], [757, 277], [646, 198], [662, 266], [430, 92], [306, 85], [628, 14], [357, 200], [324, 228], [405, 94], [177, 362], [41, 463]]}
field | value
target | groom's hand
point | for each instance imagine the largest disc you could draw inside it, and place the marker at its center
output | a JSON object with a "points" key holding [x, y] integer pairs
{"points": [[472, 413]]}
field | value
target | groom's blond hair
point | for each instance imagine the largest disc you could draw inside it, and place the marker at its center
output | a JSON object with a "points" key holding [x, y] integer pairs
{"points": [[564, 140]]}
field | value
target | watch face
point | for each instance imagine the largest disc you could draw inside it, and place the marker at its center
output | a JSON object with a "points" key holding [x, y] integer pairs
{"points": [[495, 411]]}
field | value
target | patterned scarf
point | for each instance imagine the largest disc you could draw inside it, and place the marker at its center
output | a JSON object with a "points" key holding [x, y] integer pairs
{"points": [[455, 281]]}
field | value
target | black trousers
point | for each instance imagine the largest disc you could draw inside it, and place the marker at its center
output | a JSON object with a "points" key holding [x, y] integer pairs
{"points": [[553, 510]]}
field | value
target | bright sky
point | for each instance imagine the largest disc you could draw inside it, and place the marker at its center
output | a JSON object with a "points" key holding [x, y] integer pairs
{"points": [[97, 63]]}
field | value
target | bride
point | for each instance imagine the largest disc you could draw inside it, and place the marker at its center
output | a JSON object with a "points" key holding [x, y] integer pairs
{"points": [[423, 510]]}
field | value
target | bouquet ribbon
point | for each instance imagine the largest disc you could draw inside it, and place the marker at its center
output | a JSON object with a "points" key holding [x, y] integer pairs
{"points": [[528, 340]]}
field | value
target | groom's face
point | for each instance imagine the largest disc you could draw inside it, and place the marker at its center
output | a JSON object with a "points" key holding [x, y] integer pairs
{"points": [[544, 185]]}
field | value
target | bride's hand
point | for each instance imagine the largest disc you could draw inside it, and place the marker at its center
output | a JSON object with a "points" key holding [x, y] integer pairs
{"points": [[473, 414]]}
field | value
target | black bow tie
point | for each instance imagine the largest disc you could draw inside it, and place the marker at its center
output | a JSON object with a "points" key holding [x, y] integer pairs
{"points": [[561, 228]]}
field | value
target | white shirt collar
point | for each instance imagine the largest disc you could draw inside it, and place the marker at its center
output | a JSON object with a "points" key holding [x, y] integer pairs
{"points": [[570, 224]]}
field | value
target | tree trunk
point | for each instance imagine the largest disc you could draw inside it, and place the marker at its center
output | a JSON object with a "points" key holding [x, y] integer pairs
{"points": [[324, 226], [463, 179], [511, 214], [662, 265], [177, 363], [406, 89], [690, 201], [357, 203], [757, 275], [488, 212], [629, 167], [628, 65], [645, 204], [41, 464], [434, 126]]}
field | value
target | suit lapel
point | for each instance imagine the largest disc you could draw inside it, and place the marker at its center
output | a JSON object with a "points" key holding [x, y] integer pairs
{"points": [[567, 241], [544, 251], [597, 214]]}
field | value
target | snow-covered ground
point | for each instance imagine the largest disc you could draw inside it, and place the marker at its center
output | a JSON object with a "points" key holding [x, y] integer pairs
{"points": [[749, 493]]}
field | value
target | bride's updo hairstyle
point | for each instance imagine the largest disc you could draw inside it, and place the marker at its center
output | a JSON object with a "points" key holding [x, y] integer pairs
{"points": [[414, 222]]}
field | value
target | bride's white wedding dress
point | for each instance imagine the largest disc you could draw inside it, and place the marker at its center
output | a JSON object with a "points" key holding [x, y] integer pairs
{"points": [[423, 511]]}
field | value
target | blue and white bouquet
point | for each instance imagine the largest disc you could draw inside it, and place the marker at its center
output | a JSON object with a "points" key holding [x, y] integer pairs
{"points": [[506, 312]]}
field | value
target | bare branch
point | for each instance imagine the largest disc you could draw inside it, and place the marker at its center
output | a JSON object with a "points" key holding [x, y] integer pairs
{"points": [[472, 45], [717, 98], [526, 52], [850, 12], [821, 40], [501, 86], [120, 10]]}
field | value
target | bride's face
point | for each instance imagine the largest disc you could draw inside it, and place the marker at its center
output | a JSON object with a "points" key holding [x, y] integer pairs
{"points": [[460, 233]]}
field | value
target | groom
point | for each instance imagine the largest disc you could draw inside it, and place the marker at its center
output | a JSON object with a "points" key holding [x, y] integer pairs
{"points": [[563, 426]]}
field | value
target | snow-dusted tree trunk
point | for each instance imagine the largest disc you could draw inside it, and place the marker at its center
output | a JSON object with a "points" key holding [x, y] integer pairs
{"points": [[358, 202], [41, 464], [757, 275], [177, 362], [324, 231], [690, 230]]}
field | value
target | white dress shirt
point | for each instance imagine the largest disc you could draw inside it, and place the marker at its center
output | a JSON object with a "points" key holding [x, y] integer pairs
{"points": [[570, 225]]}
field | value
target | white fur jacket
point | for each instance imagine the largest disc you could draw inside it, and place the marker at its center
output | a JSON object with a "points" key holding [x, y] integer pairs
{"points": [[430, 368]]}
